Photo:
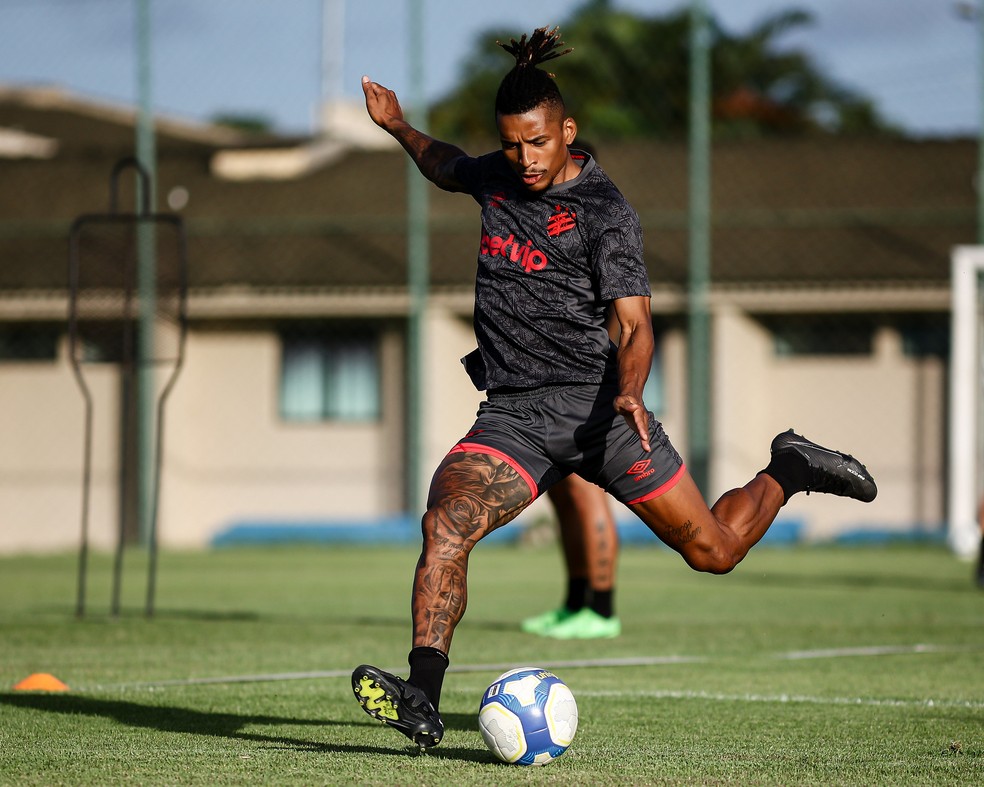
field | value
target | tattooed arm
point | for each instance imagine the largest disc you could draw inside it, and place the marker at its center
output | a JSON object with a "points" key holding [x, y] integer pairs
{"points": [[434, 159]]}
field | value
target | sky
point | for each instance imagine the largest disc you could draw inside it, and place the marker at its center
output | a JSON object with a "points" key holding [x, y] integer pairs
{"points": [[920, 60]]}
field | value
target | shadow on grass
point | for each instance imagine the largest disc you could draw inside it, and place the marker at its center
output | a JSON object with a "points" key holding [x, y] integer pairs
{"points": [[228, 725], [360, 621], [101, 616], [854, 581]]}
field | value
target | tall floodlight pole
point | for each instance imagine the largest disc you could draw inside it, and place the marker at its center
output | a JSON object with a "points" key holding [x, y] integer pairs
{"points": [[974, 11], [699, 222], [980, 131], [418, 274], [332, 57], [147, 156]]}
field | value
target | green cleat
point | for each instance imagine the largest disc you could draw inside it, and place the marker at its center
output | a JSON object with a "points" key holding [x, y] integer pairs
{"points": [[585, 624], [542, 623]]}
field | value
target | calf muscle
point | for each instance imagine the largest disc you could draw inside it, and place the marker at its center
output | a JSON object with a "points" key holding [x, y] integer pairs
{"points": [[471, 495], [716, 539]]}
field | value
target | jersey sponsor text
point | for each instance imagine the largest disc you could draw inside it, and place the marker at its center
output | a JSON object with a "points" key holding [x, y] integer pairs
{"points": [[521, 253]]}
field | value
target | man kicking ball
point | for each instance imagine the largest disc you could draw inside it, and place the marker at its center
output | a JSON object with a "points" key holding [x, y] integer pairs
{"points": [[560, 245]]}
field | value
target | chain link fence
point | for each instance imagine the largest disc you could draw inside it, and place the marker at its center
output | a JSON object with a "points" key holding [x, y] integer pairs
{"points": [[832, 229]]}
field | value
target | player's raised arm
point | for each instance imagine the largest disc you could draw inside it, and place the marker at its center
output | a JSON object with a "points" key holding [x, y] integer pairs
{"points": [[433, 158]]}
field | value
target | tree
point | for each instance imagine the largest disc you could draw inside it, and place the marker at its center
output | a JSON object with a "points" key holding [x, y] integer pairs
{"points": [[628, 77]]}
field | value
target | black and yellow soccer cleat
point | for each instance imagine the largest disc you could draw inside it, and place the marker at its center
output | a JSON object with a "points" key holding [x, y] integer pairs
{"points": [[399, 704], [830, 471]]}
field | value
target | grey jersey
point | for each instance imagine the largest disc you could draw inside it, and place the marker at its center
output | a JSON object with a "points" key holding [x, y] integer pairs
{"points": [[548, 266]]}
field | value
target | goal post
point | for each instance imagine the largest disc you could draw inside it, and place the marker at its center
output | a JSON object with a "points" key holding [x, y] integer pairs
{"points": [[964, 491]]}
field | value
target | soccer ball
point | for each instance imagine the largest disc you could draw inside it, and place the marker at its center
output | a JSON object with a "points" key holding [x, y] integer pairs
{"points": [[528, 716]]}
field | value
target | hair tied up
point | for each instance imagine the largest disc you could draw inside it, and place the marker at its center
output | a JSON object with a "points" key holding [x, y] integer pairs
{"points": [[541, 46]]}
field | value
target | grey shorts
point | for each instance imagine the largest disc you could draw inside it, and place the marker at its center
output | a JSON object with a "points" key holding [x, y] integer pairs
{"points": [[551, 432]]}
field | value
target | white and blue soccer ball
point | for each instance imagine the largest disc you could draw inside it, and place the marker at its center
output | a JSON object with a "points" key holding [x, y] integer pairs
{"points": [[528, 716]]}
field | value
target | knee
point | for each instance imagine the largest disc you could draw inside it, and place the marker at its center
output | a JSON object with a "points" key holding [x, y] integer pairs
{"points": [[441, 538], [430, 525], [712, 560]]}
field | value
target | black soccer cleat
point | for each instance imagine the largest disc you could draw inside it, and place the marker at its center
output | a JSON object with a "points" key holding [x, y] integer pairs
{"points": [[399, 704], [830, 471]]}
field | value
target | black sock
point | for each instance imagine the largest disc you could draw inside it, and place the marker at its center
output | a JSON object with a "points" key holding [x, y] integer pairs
{"points": [[602, 602], [791, 472], [577, 593], [427, 668]]}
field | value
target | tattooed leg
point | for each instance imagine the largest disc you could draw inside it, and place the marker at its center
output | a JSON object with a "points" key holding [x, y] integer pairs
{"points": [[713, 539], [471, 495]]}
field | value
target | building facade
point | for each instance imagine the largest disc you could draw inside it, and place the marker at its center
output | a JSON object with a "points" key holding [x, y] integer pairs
{"points": [[829, 310]]}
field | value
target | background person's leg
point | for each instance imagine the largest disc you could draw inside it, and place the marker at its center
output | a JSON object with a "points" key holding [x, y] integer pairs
{"points": [[589, 538]]}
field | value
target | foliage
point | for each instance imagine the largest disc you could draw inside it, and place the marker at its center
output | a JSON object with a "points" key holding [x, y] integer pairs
{"points": [[628, 77], [250, 124]]}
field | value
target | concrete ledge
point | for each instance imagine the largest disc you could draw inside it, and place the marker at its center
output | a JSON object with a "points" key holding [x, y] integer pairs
{"points": [[386, 531], [868, 536], [784, 532], [404, 530]]}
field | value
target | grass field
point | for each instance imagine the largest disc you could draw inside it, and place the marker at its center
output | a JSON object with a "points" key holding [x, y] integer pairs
{"points": [[805, 666]]}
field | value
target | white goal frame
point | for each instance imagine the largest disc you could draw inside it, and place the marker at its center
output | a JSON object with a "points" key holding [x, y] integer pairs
{"points": [[966, 383]]}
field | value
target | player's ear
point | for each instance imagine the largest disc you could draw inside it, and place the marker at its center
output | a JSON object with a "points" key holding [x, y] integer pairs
{"points": [[570, 130]]}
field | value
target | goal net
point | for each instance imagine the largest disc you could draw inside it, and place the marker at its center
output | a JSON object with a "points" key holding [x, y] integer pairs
{"points": [[966, 466]]}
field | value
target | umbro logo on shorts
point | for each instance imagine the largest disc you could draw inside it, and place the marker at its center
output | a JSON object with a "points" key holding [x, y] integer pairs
{"points": [[641, 469]]}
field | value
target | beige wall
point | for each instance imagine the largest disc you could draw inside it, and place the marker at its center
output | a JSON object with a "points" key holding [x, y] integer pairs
{"points": [[450, 399], [886, 409], [41, 451], [229, 458]]}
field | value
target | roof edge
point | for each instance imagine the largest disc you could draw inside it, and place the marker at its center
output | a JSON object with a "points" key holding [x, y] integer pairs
{"points": [[55, 97]]}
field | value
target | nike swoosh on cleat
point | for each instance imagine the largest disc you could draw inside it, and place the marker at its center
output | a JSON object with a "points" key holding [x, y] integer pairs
{"points": [[815, 447]]}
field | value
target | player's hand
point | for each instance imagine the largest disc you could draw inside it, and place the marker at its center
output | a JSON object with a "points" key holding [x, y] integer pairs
{"points": [[382, 104], [636, 416]]}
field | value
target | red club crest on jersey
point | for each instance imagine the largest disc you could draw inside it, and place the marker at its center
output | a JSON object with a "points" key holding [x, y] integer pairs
{"points": [[562, 220]]}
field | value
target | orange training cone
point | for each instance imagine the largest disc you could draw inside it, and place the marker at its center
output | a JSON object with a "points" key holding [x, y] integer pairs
{"points": [[40, 681]]}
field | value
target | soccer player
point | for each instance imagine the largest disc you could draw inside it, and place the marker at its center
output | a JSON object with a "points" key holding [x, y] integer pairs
{"points": [[559, 245], [589, 539]]}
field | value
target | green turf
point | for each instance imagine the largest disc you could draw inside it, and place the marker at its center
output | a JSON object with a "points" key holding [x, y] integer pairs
{"points": [[736, 708]]}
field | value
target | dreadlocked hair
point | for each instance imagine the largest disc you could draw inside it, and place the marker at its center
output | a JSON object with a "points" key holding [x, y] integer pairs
{"points": [[527, 87]]}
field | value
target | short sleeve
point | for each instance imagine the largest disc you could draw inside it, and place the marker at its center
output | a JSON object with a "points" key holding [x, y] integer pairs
{"points": [[618, 258], [468, 172]]}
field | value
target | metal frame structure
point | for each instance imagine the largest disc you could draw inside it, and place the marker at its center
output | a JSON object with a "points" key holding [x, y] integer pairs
{"points": [[137, 318]]}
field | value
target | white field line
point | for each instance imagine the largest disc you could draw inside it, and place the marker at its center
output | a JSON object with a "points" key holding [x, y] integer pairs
{"points": [[873, 650], [642, 661], [788, 699], [646, 661]]}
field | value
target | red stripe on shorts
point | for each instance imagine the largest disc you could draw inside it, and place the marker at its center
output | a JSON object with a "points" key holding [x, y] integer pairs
{"points": [[662, 490], [478, 448]]}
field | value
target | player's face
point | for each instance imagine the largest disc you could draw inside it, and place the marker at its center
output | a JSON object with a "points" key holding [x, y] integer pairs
{"points": [[535, 144]]}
